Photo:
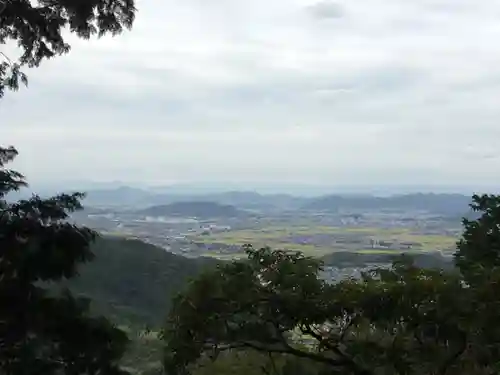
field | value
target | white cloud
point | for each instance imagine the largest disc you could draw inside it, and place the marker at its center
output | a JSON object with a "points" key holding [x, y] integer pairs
{"points": [[372, 91]]}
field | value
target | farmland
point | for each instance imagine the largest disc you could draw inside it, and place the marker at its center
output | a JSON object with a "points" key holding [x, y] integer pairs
{"points": [[322, 240], [365, 227]]}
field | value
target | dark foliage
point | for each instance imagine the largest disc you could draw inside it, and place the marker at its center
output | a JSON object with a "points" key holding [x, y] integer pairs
{"points": [[42, 332], [38, 29], [479, 248], [133, 282], [10, 74], [352, 259], [406, 320]]}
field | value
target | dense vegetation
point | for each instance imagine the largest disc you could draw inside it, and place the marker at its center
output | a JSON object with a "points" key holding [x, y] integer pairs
{"points": [[271, 314], [37, 28], [352, 259], [42, 331], [406, 320], [132, 281]]}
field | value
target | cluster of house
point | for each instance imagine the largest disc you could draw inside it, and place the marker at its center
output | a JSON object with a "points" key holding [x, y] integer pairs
{"points": [[396, 245]]}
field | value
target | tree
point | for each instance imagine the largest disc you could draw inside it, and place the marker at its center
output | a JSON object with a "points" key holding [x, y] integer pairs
{"points": [[10, 74], [405, 320], [43, 330], [242, 363], [37, 28]]}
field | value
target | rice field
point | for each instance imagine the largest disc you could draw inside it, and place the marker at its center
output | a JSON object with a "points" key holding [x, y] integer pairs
{"points": [[319, 241]]}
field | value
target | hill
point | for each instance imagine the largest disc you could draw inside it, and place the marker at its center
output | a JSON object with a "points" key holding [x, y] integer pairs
{"points": [[342, 259], [444, 204], [198, 209], [133, 282], [134, 197], [256, 201]]}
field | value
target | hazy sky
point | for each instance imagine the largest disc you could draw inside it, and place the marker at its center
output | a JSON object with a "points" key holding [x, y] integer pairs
{"points": [[350, 92]]}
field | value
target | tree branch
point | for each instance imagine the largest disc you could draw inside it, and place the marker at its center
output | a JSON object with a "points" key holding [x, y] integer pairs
{"points": [[454, 357], [273, 364], [347, 327], [343, 357], [281, 346]]}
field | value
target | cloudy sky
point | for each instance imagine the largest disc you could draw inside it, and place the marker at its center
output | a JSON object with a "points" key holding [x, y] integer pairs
{"points": [[328, 92]]}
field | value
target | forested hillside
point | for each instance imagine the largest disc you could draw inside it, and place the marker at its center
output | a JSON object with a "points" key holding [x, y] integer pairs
{"points": [[352, 259], [133, 282]]}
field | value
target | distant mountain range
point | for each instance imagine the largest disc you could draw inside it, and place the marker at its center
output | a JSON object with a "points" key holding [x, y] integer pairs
{"points": [[228, 203], [198, 209], [127, 196], [132, 198], [302, 189], [446, 204]]}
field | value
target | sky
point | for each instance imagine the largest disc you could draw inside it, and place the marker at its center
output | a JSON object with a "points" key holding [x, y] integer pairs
{"points": [[285, 91]]}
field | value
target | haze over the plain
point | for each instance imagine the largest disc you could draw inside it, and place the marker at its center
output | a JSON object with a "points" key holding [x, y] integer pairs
{"points": [[350, 92]]}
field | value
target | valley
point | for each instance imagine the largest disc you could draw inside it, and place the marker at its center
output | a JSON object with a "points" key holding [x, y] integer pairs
{"points": [[367, 226], [148, 253]]}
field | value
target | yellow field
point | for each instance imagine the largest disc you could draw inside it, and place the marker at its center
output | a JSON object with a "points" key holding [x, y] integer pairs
{"points": [[378, 251], [429, 242], [228, 257], [276, 237]]}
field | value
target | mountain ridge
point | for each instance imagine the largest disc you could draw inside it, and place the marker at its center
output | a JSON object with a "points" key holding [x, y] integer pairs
{"points": [[198, 209], [436, 203]]}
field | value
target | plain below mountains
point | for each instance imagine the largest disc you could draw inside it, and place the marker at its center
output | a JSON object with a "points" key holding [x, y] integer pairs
{"points": [[194, 209]]}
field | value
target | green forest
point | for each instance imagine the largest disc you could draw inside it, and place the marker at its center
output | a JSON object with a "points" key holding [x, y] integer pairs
{"points": [[75, 302], [134, 282], [80, 303]]}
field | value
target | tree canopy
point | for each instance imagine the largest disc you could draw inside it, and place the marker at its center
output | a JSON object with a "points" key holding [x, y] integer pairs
{"points": [[405, 320], [132, 282], [40, 28], [42, 331]]}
